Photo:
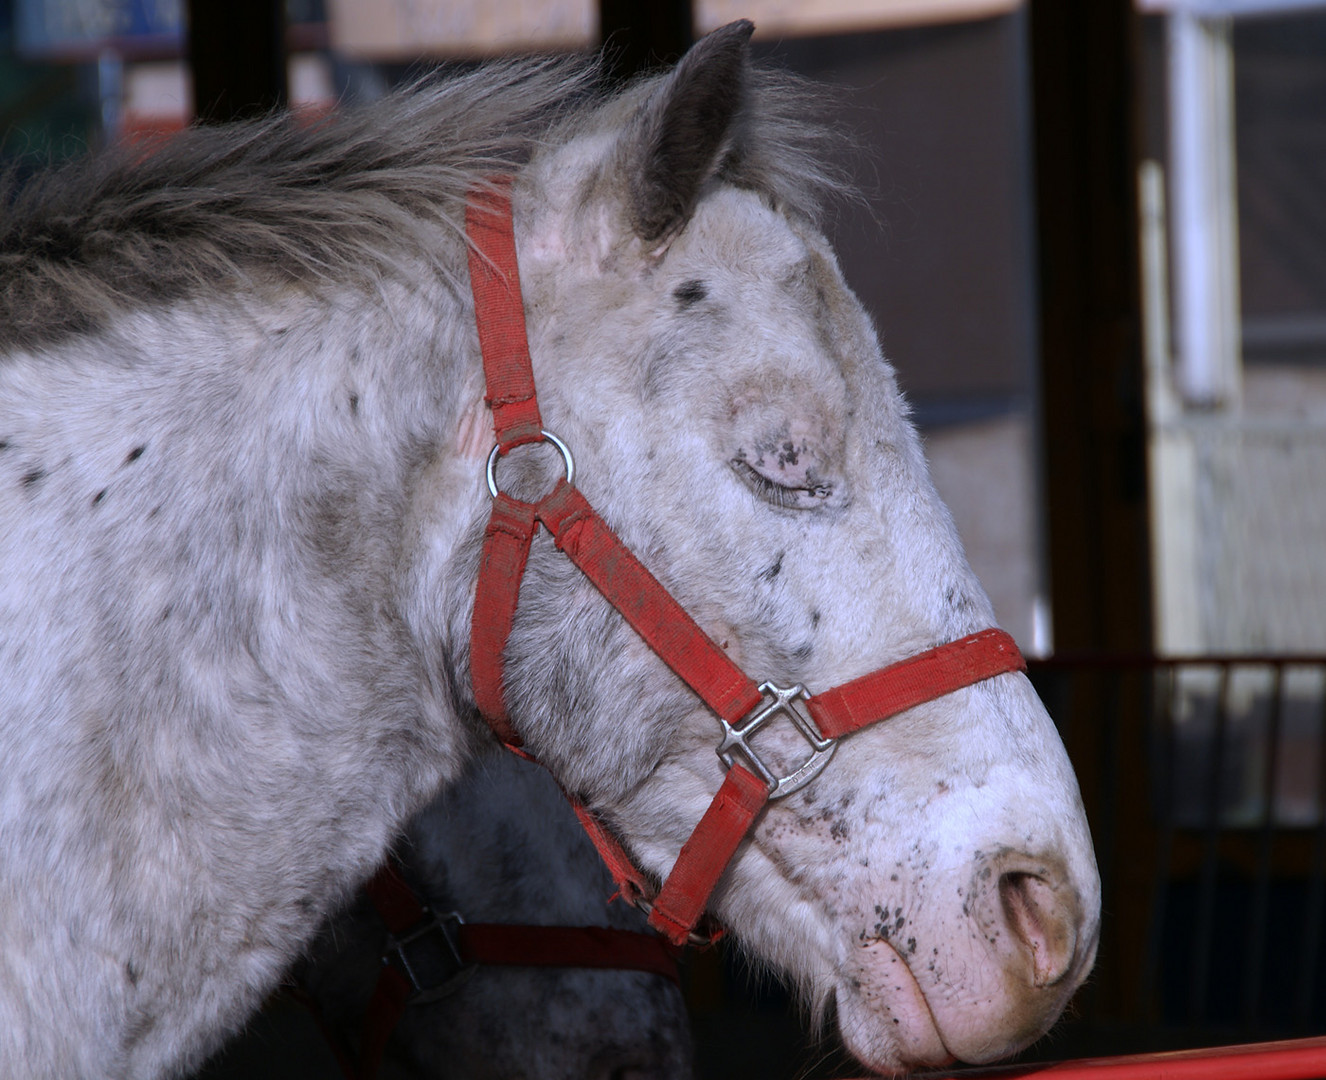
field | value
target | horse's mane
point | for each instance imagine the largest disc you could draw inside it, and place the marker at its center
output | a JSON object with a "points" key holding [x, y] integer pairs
{"points": [[346, 196]]}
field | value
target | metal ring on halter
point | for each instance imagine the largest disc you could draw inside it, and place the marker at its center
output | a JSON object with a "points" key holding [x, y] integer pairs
{"points": [[567, 460], [693, 937]]}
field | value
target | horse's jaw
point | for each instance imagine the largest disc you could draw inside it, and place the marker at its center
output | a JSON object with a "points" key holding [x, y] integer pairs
{"points": [[896, 1019], [888, 991]]}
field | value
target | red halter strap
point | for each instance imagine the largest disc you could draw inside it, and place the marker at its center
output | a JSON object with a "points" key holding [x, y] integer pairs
{"points": [[495, 283], [463, 945], [579, 532]]}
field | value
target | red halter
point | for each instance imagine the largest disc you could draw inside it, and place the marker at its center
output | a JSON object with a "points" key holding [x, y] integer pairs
{"points": [[740, 705]]}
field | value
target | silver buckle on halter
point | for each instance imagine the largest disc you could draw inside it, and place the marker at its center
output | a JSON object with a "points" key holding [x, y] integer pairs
{"points": [[785, 700]]}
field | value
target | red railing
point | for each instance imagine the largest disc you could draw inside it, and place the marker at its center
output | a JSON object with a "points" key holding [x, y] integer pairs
{"points": [[1297, 1059]]}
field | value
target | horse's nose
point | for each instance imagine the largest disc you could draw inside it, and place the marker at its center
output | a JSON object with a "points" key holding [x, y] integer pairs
{"points": [[1037, 901]]}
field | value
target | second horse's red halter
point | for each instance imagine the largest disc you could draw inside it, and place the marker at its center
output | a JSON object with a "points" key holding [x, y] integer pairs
{"points": [[448, 949], [741, 705]]}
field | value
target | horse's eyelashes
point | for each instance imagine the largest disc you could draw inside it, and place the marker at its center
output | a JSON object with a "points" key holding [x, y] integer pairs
{"points": [[780, 495]]}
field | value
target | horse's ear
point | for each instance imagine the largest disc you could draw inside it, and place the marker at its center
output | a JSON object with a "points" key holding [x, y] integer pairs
{"points": [[685, 130]]}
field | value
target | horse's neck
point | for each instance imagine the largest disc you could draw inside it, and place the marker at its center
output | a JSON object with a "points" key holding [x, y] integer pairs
{"points": [[351, 375], [274, 448]]}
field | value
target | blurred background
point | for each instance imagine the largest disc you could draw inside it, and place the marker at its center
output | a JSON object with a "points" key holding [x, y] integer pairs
{"points": [[1094, 244]]}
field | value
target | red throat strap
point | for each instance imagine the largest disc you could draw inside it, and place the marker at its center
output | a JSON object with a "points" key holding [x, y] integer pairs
{"points": [[704, 857]]}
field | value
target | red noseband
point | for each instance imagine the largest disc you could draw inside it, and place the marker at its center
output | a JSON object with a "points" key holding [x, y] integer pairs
{"points": [[577, 529]]}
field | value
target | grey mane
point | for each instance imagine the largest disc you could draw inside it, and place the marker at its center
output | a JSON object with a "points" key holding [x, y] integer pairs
{"points": [[287, 202]]}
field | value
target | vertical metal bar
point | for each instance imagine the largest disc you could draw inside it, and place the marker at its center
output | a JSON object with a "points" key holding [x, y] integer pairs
{"points": [[1166, 796], [1204, 922], [639, 37], [1310, 936], [1203, 207], [110, 93], [1256, 945], [237, 55], [1084, 60]]}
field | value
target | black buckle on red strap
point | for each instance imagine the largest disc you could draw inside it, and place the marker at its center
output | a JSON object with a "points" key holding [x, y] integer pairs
{"points": [[428, 954]]}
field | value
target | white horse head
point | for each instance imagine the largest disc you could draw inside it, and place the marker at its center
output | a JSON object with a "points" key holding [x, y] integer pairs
{"points": [[691, 332], [244, 506]]}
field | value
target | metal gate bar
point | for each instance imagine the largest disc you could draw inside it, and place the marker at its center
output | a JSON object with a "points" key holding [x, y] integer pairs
{"points": [[1312, 914], [1262, 883], [1208, 775], [1204, 924]]}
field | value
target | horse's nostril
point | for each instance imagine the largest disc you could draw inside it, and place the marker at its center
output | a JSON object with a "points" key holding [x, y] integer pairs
{"points": [[1046, 919]]}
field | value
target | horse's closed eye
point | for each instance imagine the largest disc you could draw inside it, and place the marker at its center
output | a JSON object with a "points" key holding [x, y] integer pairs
{"points": [[785, 496]]}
